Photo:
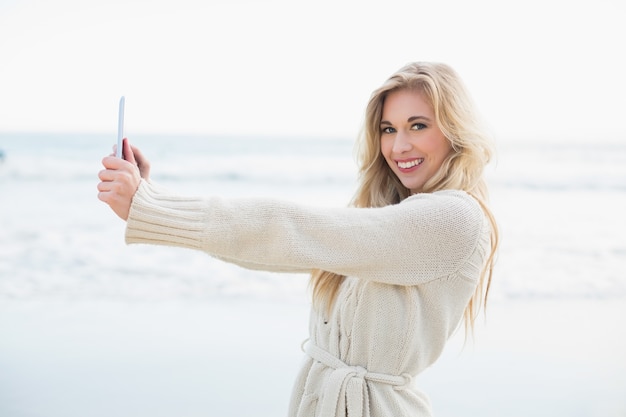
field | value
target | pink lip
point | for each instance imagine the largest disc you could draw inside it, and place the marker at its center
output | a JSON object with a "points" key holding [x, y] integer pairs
{"points": [[411, 169]]}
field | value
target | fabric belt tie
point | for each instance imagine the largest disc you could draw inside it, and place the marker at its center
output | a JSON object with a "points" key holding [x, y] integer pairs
{"points": [[346, 388]]}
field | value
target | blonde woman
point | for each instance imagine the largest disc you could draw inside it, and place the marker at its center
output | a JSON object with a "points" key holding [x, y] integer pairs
{"points": [[393, 275]]}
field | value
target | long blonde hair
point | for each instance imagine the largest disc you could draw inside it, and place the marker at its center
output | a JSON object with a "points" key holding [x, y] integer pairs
{"points": [[460, 123]]}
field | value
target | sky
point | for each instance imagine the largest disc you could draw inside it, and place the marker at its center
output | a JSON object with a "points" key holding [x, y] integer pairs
{"points": [[539, 69]]}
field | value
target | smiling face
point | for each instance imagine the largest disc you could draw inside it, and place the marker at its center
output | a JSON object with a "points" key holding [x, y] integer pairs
{"points": [[411, 141]]}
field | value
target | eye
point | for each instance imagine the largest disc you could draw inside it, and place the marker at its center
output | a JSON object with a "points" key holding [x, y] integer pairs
{"points": [[387, 129], [418, 126]]}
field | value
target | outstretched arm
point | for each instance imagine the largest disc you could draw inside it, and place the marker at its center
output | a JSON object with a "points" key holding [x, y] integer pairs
{"points": [[425, 237], [121, 177]]}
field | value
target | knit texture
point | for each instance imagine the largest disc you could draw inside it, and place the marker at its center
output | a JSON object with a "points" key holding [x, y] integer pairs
{"points": [[411, 269]]}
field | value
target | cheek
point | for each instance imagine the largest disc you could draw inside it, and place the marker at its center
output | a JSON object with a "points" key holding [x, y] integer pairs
{"points": [[440, 148], [385, 147]]}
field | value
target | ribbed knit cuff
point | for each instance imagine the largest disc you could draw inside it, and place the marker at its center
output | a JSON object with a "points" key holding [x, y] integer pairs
{"points": [[162, 218]]}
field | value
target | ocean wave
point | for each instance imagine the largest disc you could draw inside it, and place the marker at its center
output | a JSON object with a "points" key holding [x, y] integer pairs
{"points": [[599, 185], [58, 240]]}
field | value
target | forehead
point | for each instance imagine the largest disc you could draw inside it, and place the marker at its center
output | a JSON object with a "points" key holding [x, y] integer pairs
{"points": [[406, 103]]}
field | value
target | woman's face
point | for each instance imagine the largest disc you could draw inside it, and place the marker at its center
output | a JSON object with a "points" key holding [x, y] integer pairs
{"points": [[411, 141]]}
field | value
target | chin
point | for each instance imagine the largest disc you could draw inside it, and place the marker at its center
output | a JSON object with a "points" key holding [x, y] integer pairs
{"points": [[414, 188]]}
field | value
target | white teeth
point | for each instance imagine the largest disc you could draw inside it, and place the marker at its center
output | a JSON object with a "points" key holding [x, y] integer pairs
{"points": [[410, 164]]}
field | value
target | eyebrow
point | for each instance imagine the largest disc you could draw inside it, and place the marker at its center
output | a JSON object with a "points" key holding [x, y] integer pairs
{"points": [[410, 119]]}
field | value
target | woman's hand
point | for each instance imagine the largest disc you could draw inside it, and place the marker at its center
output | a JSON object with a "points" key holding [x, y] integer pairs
{"points": [[138, 159], [121, 177]]}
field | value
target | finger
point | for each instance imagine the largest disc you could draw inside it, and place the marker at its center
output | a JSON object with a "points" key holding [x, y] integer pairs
{"points": [[127, 151], [138, 155], [111, 162], [106, 175], [114, 153], [104, 186], [142, 163], [104, 196]]}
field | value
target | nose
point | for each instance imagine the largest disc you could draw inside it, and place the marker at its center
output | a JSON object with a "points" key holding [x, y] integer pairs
{"points": [[401, 143]]}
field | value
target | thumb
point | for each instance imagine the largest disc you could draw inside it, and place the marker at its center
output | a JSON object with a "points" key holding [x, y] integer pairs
{"points": [[127, 152]]}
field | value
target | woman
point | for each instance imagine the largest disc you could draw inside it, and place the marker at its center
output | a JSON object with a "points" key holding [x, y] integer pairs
{"points": [[393, 275]]}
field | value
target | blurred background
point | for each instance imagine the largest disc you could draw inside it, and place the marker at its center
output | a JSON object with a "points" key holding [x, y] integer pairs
{"points": [[266, 98]]}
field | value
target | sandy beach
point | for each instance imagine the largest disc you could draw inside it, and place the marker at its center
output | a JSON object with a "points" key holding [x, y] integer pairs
{"points": [[265, 99], [542, 358], [92, 327]]}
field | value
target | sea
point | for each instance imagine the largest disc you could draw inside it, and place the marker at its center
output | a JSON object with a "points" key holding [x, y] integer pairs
{"points": [[92, 326], [560, 209]]}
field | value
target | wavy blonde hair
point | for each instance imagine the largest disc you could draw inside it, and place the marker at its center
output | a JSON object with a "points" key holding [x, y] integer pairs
{"points": [[456, 116]]}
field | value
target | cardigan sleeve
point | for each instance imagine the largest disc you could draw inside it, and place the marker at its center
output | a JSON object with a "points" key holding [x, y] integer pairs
{"points": [[427, 236]]}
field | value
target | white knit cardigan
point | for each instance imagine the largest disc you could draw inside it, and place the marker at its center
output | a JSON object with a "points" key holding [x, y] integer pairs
{"points": [[411, 269]]}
